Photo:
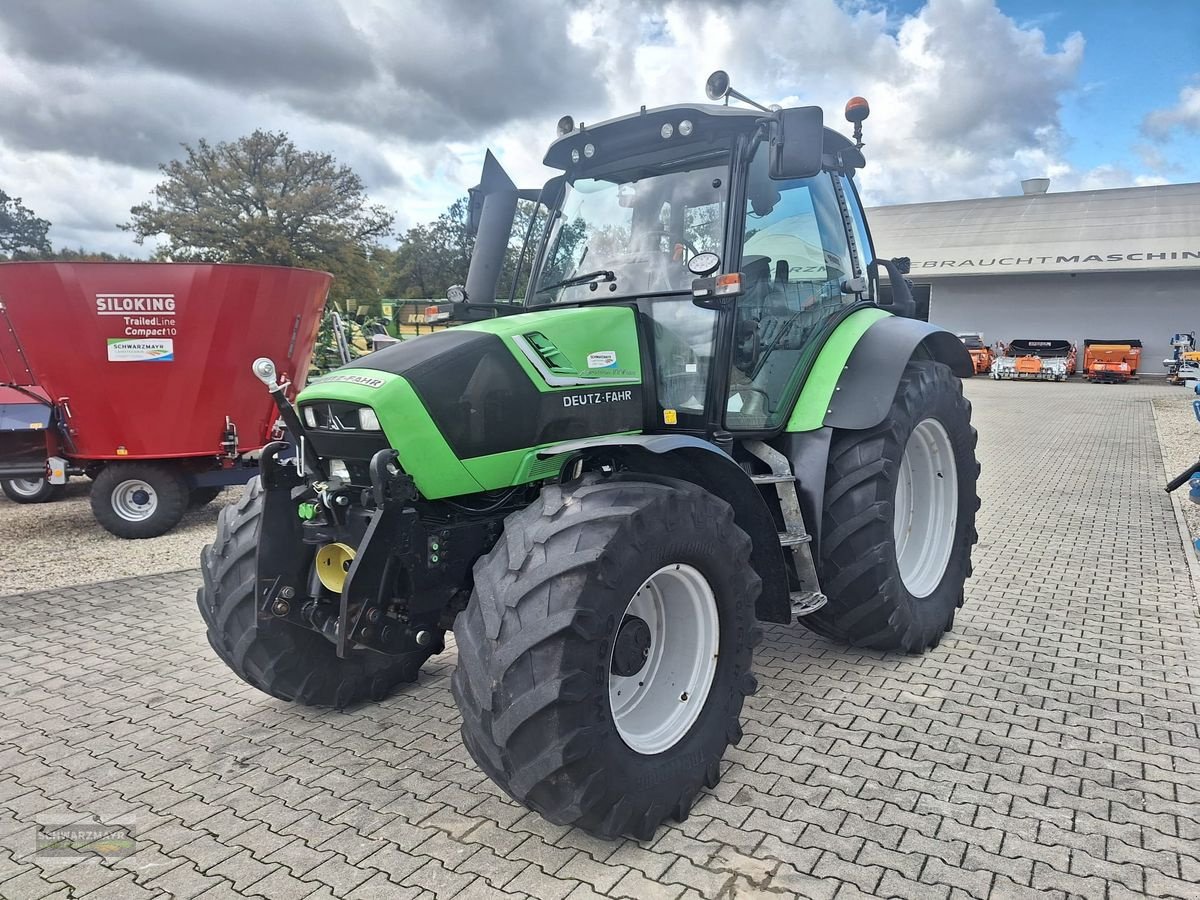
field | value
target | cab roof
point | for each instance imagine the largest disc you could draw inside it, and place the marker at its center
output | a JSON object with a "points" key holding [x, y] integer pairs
{"points": [[639, 134]]}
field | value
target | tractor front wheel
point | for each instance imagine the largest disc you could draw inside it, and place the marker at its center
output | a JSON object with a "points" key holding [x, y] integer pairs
{"points": [[606, 652], [139, 499], [281, 659], [30, 490], [899, 518]]}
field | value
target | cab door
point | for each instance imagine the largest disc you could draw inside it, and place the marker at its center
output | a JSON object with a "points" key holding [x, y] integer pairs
{"points": [[800, 271]]}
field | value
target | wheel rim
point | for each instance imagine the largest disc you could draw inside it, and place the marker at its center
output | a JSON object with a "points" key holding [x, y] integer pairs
{"points": [[926, 508], [26, 487], [657, 705], [134, 500]]}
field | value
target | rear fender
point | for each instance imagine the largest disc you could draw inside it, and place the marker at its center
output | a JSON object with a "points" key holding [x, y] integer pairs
{"points": [[698, 461], [863, 391]]}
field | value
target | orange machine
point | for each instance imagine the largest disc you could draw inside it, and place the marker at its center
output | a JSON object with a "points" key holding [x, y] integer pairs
{"points": [[1111, 362], [981, 354], [1037, 360]]}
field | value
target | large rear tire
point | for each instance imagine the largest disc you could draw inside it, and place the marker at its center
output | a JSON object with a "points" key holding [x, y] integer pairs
{"points": [[139, 499], [899, 518], [283, 660], [30, 490], [606, 652]]}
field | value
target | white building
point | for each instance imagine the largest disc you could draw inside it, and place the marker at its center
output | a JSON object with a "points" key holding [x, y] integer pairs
{"points": [[1111, 264]]}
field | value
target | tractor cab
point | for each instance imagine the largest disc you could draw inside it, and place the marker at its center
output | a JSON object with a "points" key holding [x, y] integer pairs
{"points": [[736, 233]]}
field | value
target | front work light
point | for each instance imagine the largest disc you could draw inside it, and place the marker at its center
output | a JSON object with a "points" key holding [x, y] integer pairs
{"points": [[667, 130], [685, 128]]}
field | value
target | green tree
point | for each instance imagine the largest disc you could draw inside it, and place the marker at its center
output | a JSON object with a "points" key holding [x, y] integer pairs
{"points": [[22, 234], [260, 199]]}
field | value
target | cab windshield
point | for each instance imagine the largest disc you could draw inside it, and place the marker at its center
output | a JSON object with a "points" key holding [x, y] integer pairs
{"points": [[633, 235]]}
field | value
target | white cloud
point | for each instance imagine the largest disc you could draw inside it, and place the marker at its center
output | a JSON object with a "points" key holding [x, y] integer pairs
{"points": [[1184, 116], [965, 100]]}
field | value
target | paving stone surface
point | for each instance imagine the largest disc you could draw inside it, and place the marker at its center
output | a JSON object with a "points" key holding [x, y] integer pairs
{"points": [[1048, 747]]}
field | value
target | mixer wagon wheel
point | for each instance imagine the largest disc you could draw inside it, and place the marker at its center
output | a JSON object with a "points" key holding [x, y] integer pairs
{"points": [[139, 499], [203, 496], [30, 490]]}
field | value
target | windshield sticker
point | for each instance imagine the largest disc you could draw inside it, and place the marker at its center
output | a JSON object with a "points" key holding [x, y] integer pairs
{"points": [[602, 359]]}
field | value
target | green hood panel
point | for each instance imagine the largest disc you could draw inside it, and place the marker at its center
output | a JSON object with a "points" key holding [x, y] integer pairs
{"points": [[579, 345], [467, 408]]}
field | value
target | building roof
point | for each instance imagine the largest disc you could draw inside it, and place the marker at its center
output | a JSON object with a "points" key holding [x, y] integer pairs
{"points": [[1120, 230]]}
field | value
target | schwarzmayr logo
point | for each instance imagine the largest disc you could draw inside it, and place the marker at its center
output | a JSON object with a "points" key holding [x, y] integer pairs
{"points": [[141, 350]]}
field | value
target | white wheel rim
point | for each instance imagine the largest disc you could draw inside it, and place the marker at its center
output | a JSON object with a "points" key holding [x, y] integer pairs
{"points": [[26, 487], [134, 500], [654, 708], [926, 508]]}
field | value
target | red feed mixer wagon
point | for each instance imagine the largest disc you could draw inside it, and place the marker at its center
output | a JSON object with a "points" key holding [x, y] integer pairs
{"points": [[138, 375]]}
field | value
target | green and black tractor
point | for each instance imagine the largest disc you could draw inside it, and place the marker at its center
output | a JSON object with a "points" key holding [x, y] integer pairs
{"points": [[699, 416]]}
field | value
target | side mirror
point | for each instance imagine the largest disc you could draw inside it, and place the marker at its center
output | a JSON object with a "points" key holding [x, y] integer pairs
{"points": [[797, 142]]}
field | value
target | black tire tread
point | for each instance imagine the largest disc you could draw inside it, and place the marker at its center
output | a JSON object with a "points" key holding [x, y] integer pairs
{"points": [[285, 661], [564, 534], [857, 546]]}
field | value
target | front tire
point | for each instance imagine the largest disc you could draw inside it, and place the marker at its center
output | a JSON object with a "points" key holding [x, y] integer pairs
{"points": [[283, 660], [602, 612], [138, 500], [899, 518], [30, 490]]}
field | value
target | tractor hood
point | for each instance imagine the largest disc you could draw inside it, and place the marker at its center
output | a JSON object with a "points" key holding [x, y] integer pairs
{"points": [[469, 408]]}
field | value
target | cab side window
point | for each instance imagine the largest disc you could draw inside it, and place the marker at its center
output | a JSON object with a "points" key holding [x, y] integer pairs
{"points": [[795, 259]]}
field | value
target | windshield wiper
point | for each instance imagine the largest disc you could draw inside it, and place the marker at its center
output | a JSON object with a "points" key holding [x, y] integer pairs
{"points": [[604, 274]]}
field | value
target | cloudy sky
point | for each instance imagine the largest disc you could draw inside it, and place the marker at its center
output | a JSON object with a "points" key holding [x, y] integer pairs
{"points": [[967, 96]]}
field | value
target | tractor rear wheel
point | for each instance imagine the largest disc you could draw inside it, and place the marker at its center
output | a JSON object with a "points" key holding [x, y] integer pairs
{"points": [[606, 652], [139, 499], [899, 518], [283, 660], [30, 490]]}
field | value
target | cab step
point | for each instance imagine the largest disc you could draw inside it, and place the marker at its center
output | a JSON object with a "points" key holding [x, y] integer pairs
{"points": [[805, 602], [793, 538], [772, 479]]}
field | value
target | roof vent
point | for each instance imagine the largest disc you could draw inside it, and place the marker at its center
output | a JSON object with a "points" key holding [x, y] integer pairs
{"points": [[1035, 186]]}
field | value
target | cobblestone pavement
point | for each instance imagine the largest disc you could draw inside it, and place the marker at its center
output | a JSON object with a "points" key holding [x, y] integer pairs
{"points": [[1048, 746]]}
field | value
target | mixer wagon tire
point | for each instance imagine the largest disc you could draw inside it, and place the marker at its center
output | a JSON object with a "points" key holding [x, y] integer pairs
{"points": [[283, 660], [30, 490], [899, 518], [139, 500], [199, 497], [606, 651]]}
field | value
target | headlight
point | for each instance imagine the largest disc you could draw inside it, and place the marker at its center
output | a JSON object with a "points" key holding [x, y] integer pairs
{"points": [[310, 417], [367, 420], [337, 469]]}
